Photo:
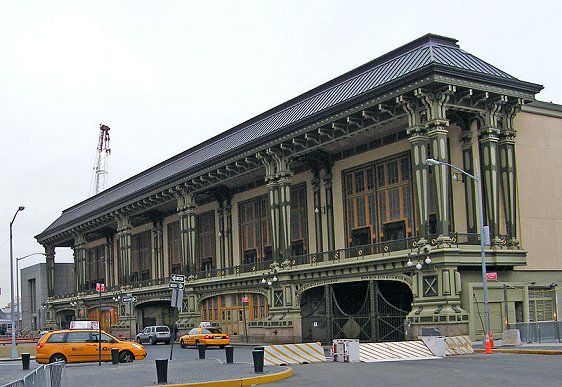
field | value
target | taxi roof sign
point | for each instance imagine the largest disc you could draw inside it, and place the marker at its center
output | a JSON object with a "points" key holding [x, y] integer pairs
{"points": [[205, 324], [83, 324]]}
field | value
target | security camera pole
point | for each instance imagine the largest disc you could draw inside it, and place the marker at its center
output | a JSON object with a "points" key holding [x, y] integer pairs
{"points": [[476, 176]]}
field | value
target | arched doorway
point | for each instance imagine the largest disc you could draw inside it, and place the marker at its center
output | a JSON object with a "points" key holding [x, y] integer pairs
{"points": [[367, 310], [153, 313]]}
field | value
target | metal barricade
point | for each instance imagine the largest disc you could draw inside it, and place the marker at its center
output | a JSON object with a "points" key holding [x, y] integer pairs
{"points": [[48, 375], [540, 331]]}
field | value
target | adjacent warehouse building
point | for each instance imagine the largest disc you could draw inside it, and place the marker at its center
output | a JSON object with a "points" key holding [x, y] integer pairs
{"points": [[320, 219]]}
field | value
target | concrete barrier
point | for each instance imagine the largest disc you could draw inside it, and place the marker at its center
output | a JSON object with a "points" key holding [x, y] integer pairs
{"points": [[284, 354], [394, 351], [458, 345]]}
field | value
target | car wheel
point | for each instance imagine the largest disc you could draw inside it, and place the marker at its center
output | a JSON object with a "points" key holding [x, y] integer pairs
{"points": [[182, 344], [126, 357], [152, 341], [57, 357], [139, 340]]}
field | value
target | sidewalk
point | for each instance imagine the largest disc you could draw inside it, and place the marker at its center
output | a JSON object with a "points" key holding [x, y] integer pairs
{"points": [[525, 348]]}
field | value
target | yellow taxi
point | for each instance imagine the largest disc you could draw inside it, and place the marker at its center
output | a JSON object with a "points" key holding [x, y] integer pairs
{"points": [[81, 345], [205, 334]]}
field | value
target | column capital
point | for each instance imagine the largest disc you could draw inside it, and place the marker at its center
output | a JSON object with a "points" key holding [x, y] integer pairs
{"points": [[435, 101], [185, 201], [488, 133], [123, 223]]}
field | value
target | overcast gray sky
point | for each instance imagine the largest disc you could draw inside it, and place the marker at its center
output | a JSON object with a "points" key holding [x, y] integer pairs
{"points": [[166, 75]]}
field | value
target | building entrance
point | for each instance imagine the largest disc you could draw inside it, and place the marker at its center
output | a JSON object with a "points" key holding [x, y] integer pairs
{"points": [[370, 311]]}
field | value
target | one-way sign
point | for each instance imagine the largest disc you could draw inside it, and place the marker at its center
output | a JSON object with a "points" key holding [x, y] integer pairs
{"points": [[177, 285], [178, 278], [129, 299]]}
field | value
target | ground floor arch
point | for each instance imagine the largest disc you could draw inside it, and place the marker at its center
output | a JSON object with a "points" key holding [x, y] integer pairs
{"points": [[365, 310], [153, 313]]}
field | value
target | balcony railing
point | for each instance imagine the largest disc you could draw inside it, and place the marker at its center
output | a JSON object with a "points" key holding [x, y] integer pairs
{"points": [[355, 252]]}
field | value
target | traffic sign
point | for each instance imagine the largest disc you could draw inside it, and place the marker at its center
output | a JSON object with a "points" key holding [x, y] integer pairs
{"points": [[100, 287], [245, 300], [176, 285], [492, 276], [177, 299], [178, 278], [129, 299]]}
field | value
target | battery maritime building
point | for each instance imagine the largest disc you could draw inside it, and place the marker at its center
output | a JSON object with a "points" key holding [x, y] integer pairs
{"points": [[320, 218]]}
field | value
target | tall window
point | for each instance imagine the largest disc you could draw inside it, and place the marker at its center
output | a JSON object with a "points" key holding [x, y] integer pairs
{"points": [[174, 248], [394, 193], [231, 312], [141, 253], [206, 254], [360, 206], [378, 202], [299, 230], [95, 266], [255, 234]]}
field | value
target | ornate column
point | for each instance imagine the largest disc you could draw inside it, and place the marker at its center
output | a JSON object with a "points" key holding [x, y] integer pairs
{"points": [[435, 103], [330, 211], [284, 175], [469, 186], [50, 266], [508, 173], [79, 262], [124, 248], [228, 243], [108, 251], [488, 137], [157, 250], [225, 233], [419, 142], [273, 203], [187, 209], [317, 212]]}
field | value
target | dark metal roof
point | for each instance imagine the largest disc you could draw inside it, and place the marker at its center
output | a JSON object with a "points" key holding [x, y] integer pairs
{"points": [[429, 50]]}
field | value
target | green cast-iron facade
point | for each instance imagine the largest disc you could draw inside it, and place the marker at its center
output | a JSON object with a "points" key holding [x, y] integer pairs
{"points": [[318, 219]]}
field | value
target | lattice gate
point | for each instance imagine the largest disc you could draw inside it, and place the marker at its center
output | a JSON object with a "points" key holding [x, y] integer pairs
{"points": [[356, 310]]}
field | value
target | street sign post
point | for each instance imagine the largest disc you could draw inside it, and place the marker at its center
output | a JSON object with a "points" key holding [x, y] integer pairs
{"points": [[177, 284], [100, 288]]}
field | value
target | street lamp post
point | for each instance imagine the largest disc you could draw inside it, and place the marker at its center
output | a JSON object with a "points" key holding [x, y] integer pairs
{"points": [[14, 352], [18, 283], [476, 177]]}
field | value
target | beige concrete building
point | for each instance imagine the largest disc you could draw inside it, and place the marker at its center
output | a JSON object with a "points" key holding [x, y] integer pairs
{"points": [[321, 219]]}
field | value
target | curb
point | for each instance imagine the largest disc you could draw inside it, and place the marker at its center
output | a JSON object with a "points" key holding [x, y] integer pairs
{"points": [[524, 351], [262, 379]]}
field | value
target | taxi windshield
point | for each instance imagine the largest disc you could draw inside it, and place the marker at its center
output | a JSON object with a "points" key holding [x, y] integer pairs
{"points": [[214, 330]]}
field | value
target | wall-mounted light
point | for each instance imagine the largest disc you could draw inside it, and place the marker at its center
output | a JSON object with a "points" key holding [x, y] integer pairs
{"points": [[417, 262], [321, 209]]}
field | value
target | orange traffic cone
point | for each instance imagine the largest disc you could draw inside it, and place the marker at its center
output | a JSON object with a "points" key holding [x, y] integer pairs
{"points": [[491, 341], [488, 350]]}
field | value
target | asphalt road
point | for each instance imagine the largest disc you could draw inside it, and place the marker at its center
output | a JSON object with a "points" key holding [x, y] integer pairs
{"points": [[495, 370]]}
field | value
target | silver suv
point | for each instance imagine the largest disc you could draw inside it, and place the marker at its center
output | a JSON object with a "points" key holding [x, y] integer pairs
{"points": [[154, 334]]}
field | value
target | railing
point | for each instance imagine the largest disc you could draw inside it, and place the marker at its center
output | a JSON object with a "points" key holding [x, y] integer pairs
{"points": [[357, 252], [48, 375], [539, 332]]}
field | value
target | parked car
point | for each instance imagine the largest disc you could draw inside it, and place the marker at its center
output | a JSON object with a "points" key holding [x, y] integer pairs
{"points": [[207, 336], [154, 335], [81, 345]]}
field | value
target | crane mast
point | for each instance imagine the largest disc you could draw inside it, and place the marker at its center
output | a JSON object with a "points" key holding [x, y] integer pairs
{"points": [[101, 173]]}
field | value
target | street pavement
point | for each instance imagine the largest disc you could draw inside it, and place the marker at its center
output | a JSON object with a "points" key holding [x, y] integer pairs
{"points": [[498, 369], [468, 370]]}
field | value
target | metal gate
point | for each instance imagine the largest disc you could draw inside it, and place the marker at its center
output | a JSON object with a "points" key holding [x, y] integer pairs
{"points": [[357, 310]]}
